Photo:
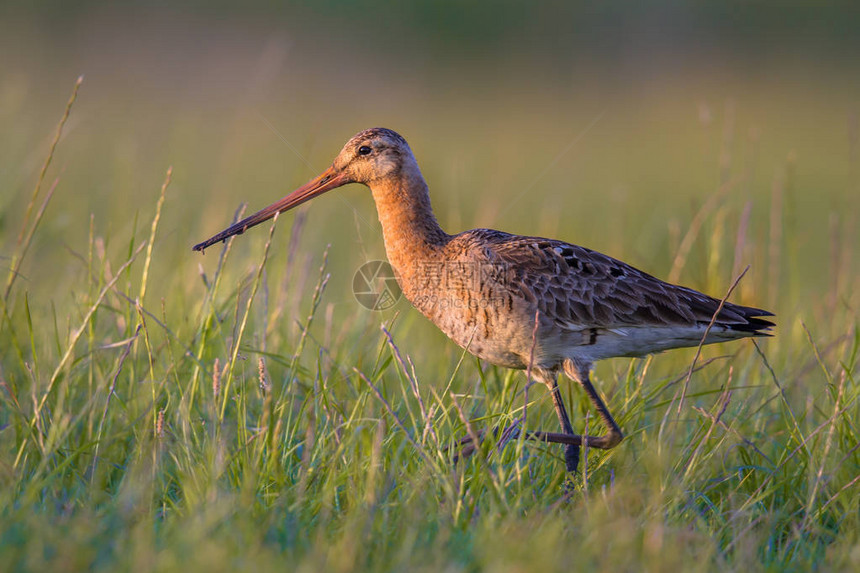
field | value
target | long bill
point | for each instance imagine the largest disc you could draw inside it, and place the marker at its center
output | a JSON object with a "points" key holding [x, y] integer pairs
{"points": [[329, 180]]}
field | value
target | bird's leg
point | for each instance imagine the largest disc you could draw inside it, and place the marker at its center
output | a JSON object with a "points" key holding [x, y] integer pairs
{"points": [[467, 446], [571, 451], [572, 441], [613, 436], [579, 372]]}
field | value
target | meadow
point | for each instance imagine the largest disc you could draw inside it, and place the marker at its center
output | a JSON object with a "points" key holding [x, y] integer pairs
{"points": [[164, 411]]}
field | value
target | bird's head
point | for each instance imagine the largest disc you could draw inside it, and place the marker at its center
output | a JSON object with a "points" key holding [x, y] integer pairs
{"points": [[370, 156]]}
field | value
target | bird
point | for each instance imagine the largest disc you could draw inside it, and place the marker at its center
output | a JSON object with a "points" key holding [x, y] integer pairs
{"points": [[521, 302]]}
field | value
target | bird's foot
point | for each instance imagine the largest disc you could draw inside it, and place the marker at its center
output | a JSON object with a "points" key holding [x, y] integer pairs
{"points": [[571, 458]]}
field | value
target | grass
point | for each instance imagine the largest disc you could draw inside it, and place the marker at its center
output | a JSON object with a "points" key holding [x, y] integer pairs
{"points": [[163, 412]]}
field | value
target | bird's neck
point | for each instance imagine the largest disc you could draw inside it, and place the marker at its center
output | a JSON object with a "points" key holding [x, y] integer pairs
{"points": [[410, 230]]}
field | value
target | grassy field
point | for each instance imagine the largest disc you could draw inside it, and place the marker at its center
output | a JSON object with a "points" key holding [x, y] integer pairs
{"points": [[241, 411]]}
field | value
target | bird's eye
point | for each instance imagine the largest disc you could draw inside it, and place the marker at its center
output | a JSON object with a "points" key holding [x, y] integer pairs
{"points": [[364, 150]]}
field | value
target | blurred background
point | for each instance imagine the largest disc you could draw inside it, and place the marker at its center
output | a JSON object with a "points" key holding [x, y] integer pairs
{"points": [[656, 132], [690, 139]]}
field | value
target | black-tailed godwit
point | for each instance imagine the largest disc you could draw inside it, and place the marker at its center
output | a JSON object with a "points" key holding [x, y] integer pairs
{"points": [[518, 301]]}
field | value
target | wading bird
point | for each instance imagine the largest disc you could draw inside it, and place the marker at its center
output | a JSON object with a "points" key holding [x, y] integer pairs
{"points": [[519, 301]]}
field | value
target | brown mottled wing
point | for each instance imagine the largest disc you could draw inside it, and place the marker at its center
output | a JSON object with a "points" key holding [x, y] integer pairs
{"points": [[578, 287]]}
